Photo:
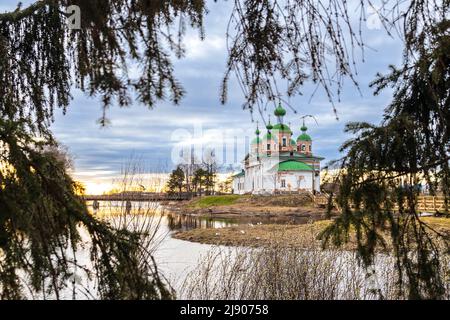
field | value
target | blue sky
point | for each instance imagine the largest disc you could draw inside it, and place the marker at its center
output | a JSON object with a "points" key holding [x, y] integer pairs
{"points": [[100, 152]]}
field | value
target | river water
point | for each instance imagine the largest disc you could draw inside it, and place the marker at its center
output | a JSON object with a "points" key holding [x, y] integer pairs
{"points": [[175, 258]]}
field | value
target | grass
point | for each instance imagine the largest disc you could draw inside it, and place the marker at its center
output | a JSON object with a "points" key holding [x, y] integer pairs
{"points": [[440, 223], [274, 201], [213, 201]]}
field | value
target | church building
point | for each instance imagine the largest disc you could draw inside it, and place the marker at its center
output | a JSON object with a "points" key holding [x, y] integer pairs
{"points": [[277, 163]]}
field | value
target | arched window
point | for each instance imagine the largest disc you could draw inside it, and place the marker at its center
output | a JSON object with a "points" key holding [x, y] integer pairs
{"points": [[284, 141], [303, 147], [310, 148]]}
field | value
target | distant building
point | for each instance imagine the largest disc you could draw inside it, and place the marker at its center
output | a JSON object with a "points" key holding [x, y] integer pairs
{"points": [[278, 163]]}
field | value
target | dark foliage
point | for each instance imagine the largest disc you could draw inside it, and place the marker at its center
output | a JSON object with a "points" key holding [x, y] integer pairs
{"points": [[384, 165], [41, 60], [176, 181]]}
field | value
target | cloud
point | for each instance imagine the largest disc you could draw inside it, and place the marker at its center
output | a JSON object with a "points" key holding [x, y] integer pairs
{"points": [[101, 152], [196, 48]]}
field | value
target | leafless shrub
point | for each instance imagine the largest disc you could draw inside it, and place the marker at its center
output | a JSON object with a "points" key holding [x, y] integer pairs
{"points": [[279, 272], [130, 213]]}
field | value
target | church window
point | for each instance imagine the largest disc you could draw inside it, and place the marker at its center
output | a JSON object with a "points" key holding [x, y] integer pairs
{"points": [[284, 141], [268, 146], [310, 148], [283, 183], [303, 147]]}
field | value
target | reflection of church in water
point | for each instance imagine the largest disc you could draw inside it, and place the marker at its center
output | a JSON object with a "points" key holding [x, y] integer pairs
{"points": [[278, 163], [180, 222]]}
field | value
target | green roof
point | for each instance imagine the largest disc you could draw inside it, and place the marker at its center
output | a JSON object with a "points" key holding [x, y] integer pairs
{"points": [[304, 137], [240, 174], [293, 142], [282, 128], [269, 126], [292, 165]]}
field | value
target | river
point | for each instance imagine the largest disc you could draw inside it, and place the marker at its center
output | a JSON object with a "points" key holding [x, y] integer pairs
{"points": [[175, 258]]}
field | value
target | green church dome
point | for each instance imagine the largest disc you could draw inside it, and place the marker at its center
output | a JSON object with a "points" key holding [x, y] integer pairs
{"points": [[279, 111], [282, 128], [304, 137], [257, 132], [269, 126], [293, 142]]}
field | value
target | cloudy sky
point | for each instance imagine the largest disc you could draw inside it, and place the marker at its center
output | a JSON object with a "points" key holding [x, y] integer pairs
{"points": [[152, 134]]}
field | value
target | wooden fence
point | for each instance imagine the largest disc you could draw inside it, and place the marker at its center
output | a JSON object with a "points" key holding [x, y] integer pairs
{"points": [[424, 203], [432, 204]]}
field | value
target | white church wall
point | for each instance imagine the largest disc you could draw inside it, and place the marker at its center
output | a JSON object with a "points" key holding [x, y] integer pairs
{"points": [[269, 181], [249, 178], [238, 185], [235, 185], [317, 183], [293, 181]]}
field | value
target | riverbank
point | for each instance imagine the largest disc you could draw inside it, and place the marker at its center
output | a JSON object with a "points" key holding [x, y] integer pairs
{"points": [[235, 206], [257, 235], [298, 236]]}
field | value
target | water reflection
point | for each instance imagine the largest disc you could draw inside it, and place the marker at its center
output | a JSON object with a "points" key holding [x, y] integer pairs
{"points": [[183, 222], [114, 208]]}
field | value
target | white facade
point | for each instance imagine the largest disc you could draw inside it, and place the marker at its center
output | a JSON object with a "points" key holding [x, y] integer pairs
{"points": [[278, 163], [263, 176]]}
